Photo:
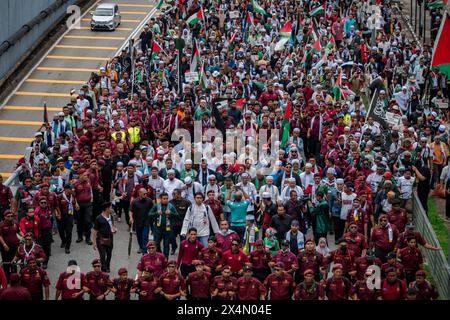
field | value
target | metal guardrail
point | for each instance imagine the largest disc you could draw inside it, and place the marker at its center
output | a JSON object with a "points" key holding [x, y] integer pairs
{"points": [[436, 260]]}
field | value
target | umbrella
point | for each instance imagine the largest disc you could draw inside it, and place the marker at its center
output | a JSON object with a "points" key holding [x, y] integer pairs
{"points": [[347, 64], [130, 240]]}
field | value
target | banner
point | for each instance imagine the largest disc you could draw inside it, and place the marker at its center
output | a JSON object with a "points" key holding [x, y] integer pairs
{"points": [[191, 76], [393, 119], [377, 111]]}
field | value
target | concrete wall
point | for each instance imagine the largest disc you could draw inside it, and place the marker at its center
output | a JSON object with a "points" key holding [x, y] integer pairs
{"points": [[13, 15]]}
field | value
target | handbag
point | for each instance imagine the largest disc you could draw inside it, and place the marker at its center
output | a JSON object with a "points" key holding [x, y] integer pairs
{"points": [[107, 242]]}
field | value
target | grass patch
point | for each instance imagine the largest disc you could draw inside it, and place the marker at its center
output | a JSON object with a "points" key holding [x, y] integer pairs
{"points": [[431, 279], [438, 225]]}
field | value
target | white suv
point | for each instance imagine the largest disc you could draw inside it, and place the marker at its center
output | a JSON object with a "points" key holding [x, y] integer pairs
{"points": [[106, 16]]}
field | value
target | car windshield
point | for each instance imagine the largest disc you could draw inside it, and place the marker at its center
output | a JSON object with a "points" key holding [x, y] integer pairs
{"points": [[103, 12]]}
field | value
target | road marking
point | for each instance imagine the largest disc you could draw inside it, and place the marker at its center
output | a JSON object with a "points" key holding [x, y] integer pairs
{"points": [[123, 20], [95, 37], [136, 5], [63, 46], [78, 58], [118, 29], [5, 174], [42, 94], [31, 108], [10, 156], [21, 123], [134, 12], [56, 81], [16, 139], [67, 69]]}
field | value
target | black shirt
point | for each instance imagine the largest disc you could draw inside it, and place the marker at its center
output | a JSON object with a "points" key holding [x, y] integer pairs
{"points": [[140, 209], [102, 226], [282, 224]]}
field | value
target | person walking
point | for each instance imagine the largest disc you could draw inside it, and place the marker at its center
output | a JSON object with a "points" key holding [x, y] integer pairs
{"points": [[102, 235], [139, 209]]}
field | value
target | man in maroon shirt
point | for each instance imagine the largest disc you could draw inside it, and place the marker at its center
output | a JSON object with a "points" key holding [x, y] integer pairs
{"points": [[384, 237], [412, 259], [309, 289], [70, 287], [357, 242], [287, 257], [49, 196], [398, 216], [225, 236], [211, 256], [9, 240], [392, 288], [310, 259], [198, 282], [360, 290], [67, 204], [173, 285], [280, 285], [154, 259], [234, 258], [35, 279], [362, 263], [97, 188], [224, 287], [98, 282], [83, 196], [392, 263], [147, 286], [45, 215], [249, 287], [16, 291], [189, 251], [260, 258], [343, 256], [425, 290], [122, 286], [6, 198], [29, 248], [337, 287]]}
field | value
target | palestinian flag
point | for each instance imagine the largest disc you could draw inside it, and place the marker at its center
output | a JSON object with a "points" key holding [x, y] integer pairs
{"points": [[156, 49], [286, 31], [196, 17], [437, 4], [233, 37], [249, 20], [441, 56], [202, 76], [319, 10], [159, 4], [321, 61], [258, 8], [331, 44], [195, 58], [316, 45], [337, 91], [285, 125]]}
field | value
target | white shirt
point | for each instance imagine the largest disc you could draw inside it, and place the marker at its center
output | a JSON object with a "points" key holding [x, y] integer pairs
{"points": [[286, 193], [199, 217], [250, 190], [170, 185], [347, 204], [307, 179], [157, 184], [274, 193], [374, 180], [406, 187], [189, 192]]}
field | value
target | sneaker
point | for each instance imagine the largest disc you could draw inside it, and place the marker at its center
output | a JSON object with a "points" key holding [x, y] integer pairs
{"points": [[79, 240], [67, 251], [89, 242], [139, 251]]}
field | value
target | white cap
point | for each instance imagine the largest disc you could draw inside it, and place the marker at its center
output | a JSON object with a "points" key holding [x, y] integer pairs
{"points": [[331, 171], [308, 165], [37, 134], [160, 151], [188, 161], [188, 180], [171, 171]]}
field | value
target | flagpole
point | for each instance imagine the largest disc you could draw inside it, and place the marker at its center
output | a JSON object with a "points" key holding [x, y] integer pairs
{"points": [[375, 94]]}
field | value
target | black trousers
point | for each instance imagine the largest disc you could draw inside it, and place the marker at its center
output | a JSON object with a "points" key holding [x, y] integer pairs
{"points": [[261, 274], [105, 253], [381, 254], [46, 242], [98, 200], [185, 269], [84, 220], [37, 296], [106, 191], [125, 205], [337, 229], [65, 227], [7, 257]]}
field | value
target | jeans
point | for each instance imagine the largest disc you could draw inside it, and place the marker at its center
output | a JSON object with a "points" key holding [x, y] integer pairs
{"points": [[46, 242], [84, 220], [165, 238], [203, 240], [105, 253], [142, 237], [240, 231]]}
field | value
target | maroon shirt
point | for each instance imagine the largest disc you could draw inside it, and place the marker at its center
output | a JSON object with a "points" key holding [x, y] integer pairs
{"points": [[288, 258], [236, 261], [336, 289], [310, 260], [356, 243], [398, 267], [83, 191], [411, 259], [363, 292], [5, 196], [380, 238], [199, 284], [189, 251], [123, 288], [211, 257], [45, 218], [393, 291], [260, 259], [146, 287], [361, 265], [361, 219], [158, 261], [398, 218], [66, 293], [172, 283], [8, 231], [51, 199], [224, 285], [98, 283], [250, 289], [224, 242], [425, 290], [280, 287], [402, 239], [37, 252], [305, 292], [34, 279]]}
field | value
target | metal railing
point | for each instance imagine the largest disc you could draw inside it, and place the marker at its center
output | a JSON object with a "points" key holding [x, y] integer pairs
{"points": [[436, 260]]}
